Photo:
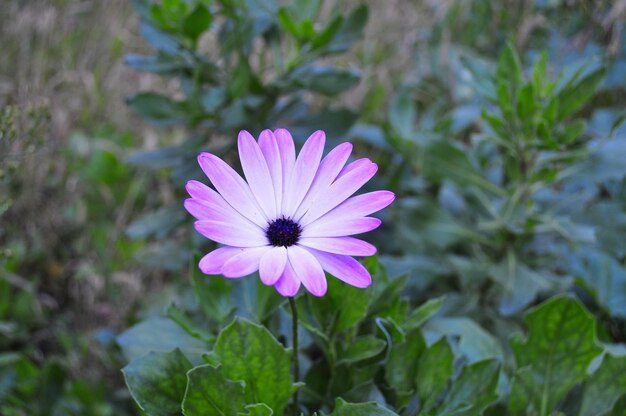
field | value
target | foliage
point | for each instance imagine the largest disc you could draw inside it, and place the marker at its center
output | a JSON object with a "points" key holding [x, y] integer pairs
{"points": [[500, 286]]}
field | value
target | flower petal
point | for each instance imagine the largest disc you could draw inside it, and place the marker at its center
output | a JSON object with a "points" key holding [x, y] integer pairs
{"points": [[344, 268], [231, 234], [340, 228], [340, 245], [269, 146], [287, 158], [303, 172], [329, 168], [232, 187], [272, 265], [360, 205], [244, 263], [308, 270], [199, 190], [257, 173], [288, 284], [212, 262], [341, 189], [215, 211]]}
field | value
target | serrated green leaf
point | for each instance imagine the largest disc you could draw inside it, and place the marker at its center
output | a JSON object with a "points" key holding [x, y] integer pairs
{"points": [[210, 393], [473, 390], [604, 387], [250, 353], [401, 366], [157, 381], [343, 408], [433, 372], [555, 356]]}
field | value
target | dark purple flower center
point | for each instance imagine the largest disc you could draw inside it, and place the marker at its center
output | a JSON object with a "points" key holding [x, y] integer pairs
{"points": [[283, 232]]}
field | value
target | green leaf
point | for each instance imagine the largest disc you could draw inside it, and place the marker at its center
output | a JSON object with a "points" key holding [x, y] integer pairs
{"points": [[402, 114], [604, 387], [258, 409], [604, 276], [473, 390], [620, 407], [509, 68], [158, 109], [433, 372], [401, 366], [329, 81], [213, 294], [197, 22], [555, 356], [157, 381], [287, 23], [250, 353], [350, 31], [159, 335], [362, 349], [475, 343], [327, 34], [420, 315], [180, 317], [526, 105], [343, 408], [442, 160], [210, 393], [575, 94], [519, 284]]}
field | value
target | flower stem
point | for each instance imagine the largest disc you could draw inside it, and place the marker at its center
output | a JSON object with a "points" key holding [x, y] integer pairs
{"points": [[294, 338]]}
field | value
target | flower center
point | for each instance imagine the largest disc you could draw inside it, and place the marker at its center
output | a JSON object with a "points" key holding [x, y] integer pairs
{"points": [[283, 232]]}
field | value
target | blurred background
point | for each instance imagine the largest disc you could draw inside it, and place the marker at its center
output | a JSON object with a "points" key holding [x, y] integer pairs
{"points": [[497, 123]]}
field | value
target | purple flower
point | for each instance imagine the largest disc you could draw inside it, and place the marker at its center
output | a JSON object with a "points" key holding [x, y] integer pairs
{"points": [[293, 218]]}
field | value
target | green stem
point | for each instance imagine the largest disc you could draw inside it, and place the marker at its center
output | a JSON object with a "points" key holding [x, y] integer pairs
{"points": [[294, 337]]}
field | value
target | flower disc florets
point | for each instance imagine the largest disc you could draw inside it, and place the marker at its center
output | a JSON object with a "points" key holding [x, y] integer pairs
{"points": [[283, 232]]}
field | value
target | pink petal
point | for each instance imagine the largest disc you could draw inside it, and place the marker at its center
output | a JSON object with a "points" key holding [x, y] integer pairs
{"points": [[232, 187], [303, 172], [257, 173], [287, 158], [272, 265], [344, 268], [360, 205], [308, 270], [326, 174], [269, 146], [340, 228], [212, 262], [231, 234], [340, 245], [288, 284], [199, 190], [211, 210], [244, 263], [341, 189]]}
